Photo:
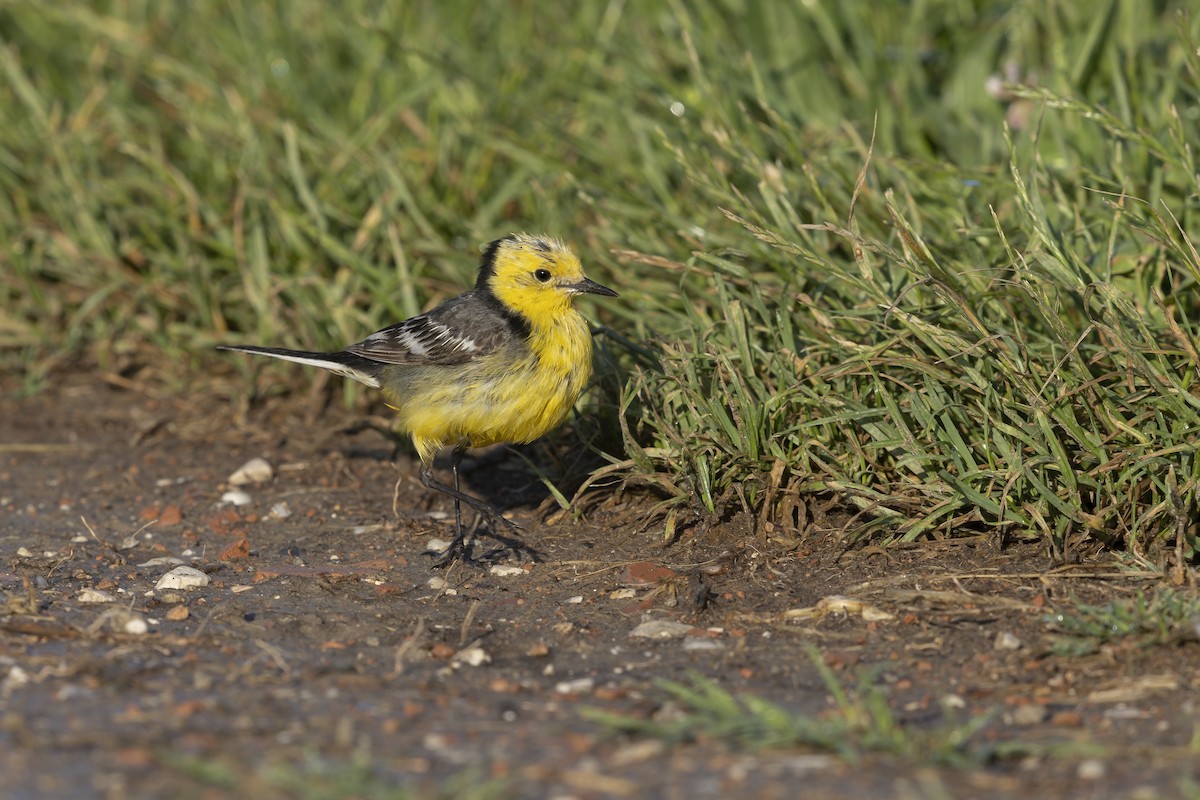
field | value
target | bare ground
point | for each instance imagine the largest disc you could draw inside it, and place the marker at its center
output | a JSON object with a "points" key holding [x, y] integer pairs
{"points": [[320, 660]]}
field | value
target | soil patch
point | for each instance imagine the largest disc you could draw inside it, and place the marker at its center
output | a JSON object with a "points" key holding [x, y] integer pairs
{"points": [[324, 652]]}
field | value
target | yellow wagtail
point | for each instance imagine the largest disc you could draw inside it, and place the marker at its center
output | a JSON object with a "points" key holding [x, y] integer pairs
{"points": [[503, 362]]}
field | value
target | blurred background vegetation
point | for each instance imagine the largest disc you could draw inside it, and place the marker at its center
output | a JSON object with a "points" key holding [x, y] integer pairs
{"points": [[932, 260]]}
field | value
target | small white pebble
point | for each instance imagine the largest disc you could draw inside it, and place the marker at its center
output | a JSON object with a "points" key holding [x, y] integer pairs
{"points": [[163, 561], [575, 600], [24, 552], [1091, 769], [474, 656], [94, 596], [256, 470], [506, 570], [280, 510], [437, 582], [236, 497], [15, 677], [437, 546], [693, 643], [1006, 641], [577, 686], [1029, 714], [182, 578], [660, 629], [136, 626]]}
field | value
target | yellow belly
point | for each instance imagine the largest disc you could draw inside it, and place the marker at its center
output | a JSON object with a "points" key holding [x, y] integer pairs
{"points": [[512, 396]]}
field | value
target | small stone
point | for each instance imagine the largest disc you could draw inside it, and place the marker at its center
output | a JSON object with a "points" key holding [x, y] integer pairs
{"points": [[623, 594], [236, 497], [538, 650], [170, 515], [646, 573], [24, 552], [178, 613], [136, 625], [163, 561], [506, 570], [441, 651], [1091, 769], [693, 643], [576, 600], [437, 583], [954, 701], [473, 656], [1027, 715], [172, 598], [638, 752], [256, 470], [280, 510], [660, 629], [1006, 641], [94, 596], [235, 550], [577, 686], [437, 546], [15, 677], [1067, 719], [182, 578]]}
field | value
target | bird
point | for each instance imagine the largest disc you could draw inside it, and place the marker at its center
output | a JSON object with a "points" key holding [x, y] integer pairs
{"points": [[504, 362]]}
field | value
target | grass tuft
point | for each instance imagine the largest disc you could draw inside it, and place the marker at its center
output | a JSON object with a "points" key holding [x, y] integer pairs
{"points": [[860, 722], [1163, 616], [936, 262]]}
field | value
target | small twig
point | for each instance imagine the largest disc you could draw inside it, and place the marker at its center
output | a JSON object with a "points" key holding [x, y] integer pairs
{"points": [[204, 623], [396, 498], [407, 645], [276, 655], [466, 623], [92, 531]]}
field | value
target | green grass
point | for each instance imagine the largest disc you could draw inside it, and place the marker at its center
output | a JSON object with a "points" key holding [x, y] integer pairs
{"points": [[860, 722], [317, 778], [1156, 618], [846, 268]]}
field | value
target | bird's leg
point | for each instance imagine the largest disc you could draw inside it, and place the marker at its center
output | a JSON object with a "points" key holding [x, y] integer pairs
{"points": [[455, 460], [430, 481], [458, 546]]}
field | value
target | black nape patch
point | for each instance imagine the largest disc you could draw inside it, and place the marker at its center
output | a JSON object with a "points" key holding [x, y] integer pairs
{"points": [[541, 245], [487, 264]]}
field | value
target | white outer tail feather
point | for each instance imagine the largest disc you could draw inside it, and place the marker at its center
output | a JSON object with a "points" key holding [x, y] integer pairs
{"points": [[312, 360]]}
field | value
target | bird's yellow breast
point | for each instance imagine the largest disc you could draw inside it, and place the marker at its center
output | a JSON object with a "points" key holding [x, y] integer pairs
{"points": [[513, 395]]}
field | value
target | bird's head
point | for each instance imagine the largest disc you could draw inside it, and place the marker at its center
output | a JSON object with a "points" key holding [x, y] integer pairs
{"points": [[535, 276]]}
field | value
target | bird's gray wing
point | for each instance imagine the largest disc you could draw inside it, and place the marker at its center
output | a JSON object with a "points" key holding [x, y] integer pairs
{"points": [[462, 329]]}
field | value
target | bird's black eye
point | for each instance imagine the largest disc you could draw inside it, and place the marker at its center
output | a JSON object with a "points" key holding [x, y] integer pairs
{"points": [[542, 275]]}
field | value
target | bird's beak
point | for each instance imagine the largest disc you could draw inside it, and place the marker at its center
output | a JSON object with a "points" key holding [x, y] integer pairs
{"points": [[589, 286]]}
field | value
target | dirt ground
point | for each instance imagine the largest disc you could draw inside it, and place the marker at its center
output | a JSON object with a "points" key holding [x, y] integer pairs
{"points": [[327, 657]]}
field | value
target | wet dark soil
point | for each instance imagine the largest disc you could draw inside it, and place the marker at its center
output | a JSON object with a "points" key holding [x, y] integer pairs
{"points": [[327, 657]]}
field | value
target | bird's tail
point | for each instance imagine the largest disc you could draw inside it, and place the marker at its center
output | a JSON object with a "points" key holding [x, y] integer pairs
{"points": [[363, 370]]}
